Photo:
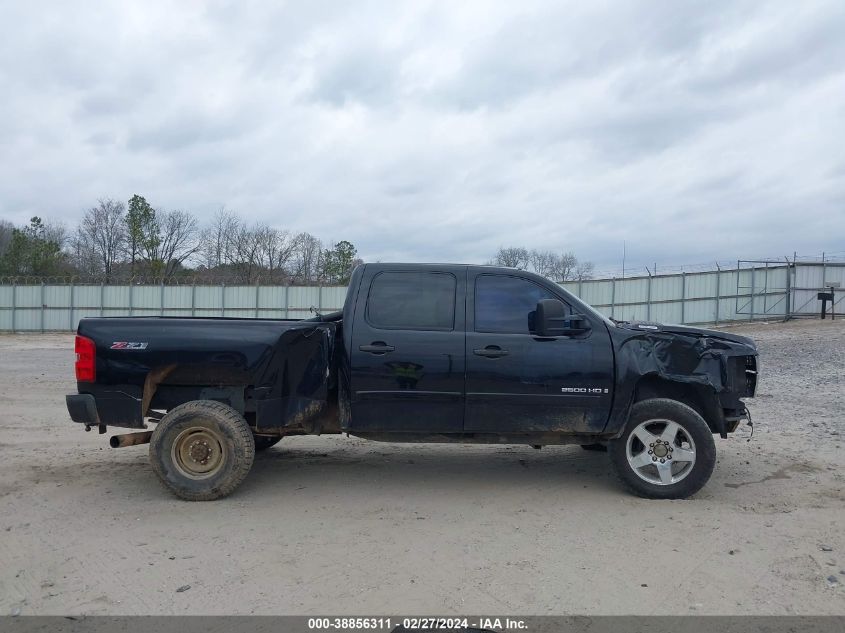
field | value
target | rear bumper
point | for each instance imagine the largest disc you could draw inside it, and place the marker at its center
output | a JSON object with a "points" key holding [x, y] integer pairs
{"points": [[109, 408], [83, 409]]}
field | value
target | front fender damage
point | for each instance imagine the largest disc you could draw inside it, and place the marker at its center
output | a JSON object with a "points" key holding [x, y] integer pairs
{"points": [[711, 364]]}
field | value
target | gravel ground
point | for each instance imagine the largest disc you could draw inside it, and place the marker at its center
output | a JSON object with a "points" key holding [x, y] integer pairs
{"points": [[345, 526]]}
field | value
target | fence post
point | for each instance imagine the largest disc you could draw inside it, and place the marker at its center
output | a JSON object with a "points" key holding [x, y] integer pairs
{"points": [[683, 297], [581, 288], [14, 303], [193, 297], [287, 310], [102, 299], [42, 306], [648, 300], [787, 307], [161, 300], [70, 316], [131, 296], [223, 299], [766, 292], [320, 298], [824, 272], [256, 298], [613, 298], [753, 286], [718, 289]]}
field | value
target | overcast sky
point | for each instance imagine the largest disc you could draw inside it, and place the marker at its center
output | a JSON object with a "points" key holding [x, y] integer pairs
{"points": [[426, 131]]}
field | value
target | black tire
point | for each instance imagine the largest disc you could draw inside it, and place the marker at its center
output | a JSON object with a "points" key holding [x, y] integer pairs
{"points": [[198, 435], [694, 441], [263, 442]]}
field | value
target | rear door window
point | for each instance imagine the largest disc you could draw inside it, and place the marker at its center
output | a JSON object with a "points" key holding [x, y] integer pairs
{"points": [[412, 301]]}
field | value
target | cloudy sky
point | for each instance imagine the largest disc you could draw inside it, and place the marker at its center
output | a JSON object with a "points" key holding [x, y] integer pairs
{"points": [[428, 131]]}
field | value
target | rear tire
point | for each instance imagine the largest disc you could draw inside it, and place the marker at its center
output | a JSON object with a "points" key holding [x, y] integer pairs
{"points": [[202, 450], [666, 450], [263, 442]]}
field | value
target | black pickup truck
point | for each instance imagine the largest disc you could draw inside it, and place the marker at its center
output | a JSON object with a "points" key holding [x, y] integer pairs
{"points": [[419, 353]]}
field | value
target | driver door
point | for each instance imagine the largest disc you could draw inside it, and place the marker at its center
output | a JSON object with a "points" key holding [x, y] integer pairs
{"points": [[518, 382]]}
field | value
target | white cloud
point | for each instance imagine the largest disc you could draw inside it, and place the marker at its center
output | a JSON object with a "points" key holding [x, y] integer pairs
{"points": [[440, 131]]}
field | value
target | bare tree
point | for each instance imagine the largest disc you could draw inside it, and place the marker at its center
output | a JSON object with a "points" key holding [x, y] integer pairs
{"points": [[307, 260], [276, 248], [171, 240], [513, 257], [83, 255], [544, 263], [555, 266], [244, 252], [178, 233], [215, 240], [584, 270], [563, 266], [6, 230], [100, 237], [230, 246]]}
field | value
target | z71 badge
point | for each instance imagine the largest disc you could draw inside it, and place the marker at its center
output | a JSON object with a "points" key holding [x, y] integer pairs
{"points": [[128, 345]]}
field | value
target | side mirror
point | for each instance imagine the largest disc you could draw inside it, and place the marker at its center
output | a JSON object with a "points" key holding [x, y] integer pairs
{"points": [[551, 320]]}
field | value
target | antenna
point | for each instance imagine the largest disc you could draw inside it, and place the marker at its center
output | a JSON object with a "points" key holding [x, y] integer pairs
{"points": [[623, 259]]}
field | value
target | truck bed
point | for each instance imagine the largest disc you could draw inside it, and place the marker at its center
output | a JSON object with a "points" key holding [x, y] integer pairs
{"points": [[280, 374]]}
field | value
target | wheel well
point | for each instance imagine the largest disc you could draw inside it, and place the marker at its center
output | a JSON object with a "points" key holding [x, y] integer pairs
{"points": [[698, 397]]}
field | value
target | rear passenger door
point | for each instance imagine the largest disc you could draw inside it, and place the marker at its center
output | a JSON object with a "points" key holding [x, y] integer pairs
{"points": [[407, 356], [518, 382]]}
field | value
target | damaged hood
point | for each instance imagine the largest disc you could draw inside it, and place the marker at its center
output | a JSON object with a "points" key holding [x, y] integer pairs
{"points": [[685, 330]]}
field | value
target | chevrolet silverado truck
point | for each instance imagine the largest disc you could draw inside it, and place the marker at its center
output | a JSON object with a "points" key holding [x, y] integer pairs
{"points": [[419, 353]]}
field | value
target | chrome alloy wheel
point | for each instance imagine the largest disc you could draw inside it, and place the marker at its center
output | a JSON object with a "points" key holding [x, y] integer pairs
{"points": [[660, 452]]}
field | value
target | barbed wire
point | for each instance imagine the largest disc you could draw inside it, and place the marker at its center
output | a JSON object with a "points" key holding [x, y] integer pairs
{"points": [[640, 270]]}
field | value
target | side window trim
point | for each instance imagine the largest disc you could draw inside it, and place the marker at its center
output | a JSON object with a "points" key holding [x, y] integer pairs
{"points": [[407, 328]]}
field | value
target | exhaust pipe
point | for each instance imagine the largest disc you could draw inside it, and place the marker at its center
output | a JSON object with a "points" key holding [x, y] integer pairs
{"points": [[130, 439]]}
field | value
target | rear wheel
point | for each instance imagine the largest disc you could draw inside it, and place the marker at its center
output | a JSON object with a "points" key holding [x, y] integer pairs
{"points": [[666, 450], [202, 450], [263, 442]]}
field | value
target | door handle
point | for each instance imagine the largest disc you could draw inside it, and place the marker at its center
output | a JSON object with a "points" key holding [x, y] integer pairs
{"points": [[377, 347], [491, 351]]}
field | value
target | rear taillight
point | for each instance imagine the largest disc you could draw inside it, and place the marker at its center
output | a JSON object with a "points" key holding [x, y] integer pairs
{"points": [[86, 359]]}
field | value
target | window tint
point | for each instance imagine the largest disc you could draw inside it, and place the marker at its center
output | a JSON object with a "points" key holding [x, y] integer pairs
{"points": [[412, 301], [506, 304]]}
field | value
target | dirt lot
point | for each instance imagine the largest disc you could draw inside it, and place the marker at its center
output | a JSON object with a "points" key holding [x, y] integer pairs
{"points": [[344, 526]]}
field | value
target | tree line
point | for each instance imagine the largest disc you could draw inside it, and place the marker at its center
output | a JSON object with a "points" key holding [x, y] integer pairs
{"points": [[117, 242], [564, 266]]}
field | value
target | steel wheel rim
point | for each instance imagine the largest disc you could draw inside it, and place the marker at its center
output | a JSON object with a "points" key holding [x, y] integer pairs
{"points": [[198, 453], [660, 452]]}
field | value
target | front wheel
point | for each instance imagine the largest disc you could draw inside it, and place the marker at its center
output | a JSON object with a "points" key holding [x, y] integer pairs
{"points": [[665, 452], [202, 450]]}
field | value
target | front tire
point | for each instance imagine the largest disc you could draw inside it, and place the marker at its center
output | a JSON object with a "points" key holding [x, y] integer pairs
{"points": [[202, 450], [666, 450]]}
